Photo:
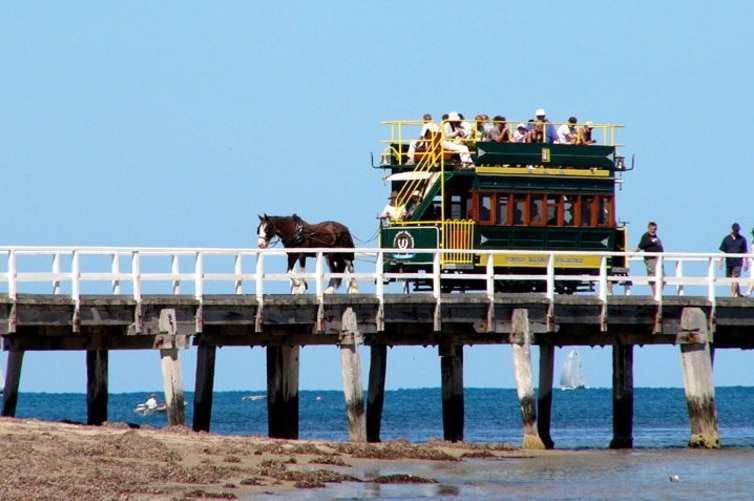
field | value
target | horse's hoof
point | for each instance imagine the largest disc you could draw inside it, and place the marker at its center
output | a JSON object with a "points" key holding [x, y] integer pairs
{"points": [[329, 290], [353, 290]]}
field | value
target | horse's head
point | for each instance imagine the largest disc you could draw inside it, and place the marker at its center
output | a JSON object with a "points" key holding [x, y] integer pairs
{"points": [[266, 231]]}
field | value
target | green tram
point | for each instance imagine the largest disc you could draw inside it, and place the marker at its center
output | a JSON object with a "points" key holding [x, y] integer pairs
{"points": [[516, 196]]}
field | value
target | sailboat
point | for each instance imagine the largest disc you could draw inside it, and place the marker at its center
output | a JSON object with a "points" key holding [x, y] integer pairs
{"points": [[572, 375]]}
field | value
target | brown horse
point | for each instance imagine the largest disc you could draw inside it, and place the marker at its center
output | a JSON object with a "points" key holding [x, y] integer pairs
{"points": [[295, 233]]}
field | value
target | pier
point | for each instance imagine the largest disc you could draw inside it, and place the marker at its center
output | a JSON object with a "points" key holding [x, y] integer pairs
{"points": [[102, 299]]}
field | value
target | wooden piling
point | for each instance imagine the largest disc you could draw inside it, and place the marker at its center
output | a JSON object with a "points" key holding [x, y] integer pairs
{"points": [[172, 382], [282, 391], [623, 396], [12, 379], [544, 399], [96, 386], [520, 348], [697, 379], [451, 366], [376, 392], [350, 365], [204, 384]]}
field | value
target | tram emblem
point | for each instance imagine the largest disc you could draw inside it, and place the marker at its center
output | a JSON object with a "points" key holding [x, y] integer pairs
{"points": [[403, 240]]}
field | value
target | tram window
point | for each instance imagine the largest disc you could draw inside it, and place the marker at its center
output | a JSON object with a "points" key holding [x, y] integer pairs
{"points": [[553, 203], [603, 211], [519, 205], [502, 210], [569, 209], [485, 208], [586, 210], [456, 207], [536, 212]]}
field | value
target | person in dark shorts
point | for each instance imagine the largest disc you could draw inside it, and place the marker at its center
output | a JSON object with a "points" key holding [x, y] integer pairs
{"points": [[734, 243], [650, 242]]}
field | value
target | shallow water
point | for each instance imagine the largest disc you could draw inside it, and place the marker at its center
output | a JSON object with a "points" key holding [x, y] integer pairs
{"points": [[593, 474]]}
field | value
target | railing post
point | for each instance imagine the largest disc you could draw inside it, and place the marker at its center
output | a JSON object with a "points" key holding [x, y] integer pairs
{"points": [[318, 275], [490, 276], [56, 272], [679, 274], [115, 270], [136, 274], [259, 276], [379, 290], [551, 277], [76, 290], [12, 275], [175, 269], [711, 280], [238, 269], [199, 276]]}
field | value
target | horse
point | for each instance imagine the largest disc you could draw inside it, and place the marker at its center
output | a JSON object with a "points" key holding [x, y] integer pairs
{"points": [[295, 233]]}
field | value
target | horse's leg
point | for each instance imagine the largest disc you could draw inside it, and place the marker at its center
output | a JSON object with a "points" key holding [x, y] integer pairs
{"points": [[298, 285], [353, 285], [336, 266]]}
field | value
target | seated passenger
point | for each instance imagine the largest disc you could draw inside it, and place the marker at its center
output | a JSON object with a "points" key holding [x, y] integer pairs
{"points": [[481, 127], [568, 133], [520, 133], [392, 212], [500, 133], [550, 134], [585, 134], [428, 128], [451, 129], [536, 134]]}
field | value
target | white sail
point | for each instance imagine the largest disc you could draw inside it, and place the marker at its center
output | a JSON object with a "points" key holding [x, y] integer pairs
{"points": [[572, 375]]}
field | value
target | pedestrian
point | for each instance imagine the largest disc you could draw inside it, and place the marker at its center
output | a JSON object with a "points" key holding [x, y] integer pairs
{"points": [[650, 242], [734, 243]]}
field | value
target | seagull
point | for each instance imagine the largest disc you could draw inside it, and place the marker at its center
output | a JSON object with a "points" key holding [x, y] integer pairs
{"points": [[674, 478]]}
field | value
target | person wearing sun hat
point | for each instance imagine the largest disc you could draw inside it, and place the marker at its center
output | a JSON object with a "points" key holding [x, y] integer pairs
{"points": [[585, 133], [551, 135], [452, 130], [392, 211], [151, 402]]}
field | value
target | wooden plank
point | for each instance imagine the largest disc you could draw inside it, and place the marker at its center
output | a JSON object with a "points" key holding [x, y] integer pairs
{"points": [[623, 396], [205, 381], [96, 386], [451, 366], [350, 364], [376, 393], [523, 375], [172, 380], [544, 400]]}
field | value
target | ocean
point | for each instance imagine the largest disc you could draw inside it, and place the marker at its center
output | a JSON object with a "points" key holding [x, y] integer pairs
{"points": [[581, 424]]}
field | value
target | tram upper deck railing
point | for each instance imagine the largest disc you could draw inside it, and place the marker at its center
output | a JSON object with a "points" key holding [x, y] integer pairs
{"points": [[77, 271]]}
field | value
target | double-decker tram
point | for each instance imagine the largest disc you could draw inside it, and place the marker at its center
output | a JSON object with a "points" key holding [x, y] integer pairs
{"points": [[515, 196]]}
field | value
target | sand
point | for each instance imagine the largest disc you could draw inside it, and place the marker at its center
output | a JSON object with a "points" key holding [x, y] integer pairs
{"points": [[43, 460]]}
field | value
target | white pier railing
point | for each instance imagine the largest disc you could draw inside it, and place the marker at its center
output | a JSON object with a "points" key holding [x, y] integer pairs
{"points": [[75, 271]]}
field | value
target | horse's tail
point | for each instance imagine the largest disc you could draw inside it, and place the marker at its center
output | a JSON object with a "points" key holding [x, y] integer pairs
{"points": [[346, 241]]}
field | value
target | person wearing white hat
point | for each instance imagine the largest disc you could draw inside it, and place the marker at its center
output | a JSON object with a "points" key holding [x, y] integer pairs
{"points": [[551, 135], [151, 402], [392, 211], [585, 134], [452, 130], [520, 133]]}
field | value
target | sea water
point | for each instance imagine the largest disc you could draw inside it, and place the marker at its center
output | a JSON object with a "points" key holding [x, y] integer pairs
{"points": [[581, 424]]}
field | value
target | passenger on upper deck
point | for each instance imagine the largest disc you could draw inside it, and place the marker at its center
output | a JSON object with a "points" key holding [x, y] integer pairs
{"points": [[500, 133], [392, 211], [451, 129], [568, 133], [428, 128], [535, 134], [481, 127], [519, 135], [551, 135], [585, 134]]}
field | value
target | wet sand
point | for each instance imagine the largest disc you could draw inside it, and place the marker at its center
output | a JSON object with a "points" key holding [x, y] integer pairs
{"points": [[43, 460]]}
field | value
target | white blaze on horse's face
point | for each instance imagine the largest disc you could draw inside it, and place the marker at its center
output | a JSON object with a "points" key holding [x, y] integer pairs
{"points": [[262, 235]]}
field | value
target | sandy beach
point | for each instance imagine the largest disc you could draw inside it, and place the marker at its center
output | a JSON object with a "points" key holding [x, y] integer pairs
{"points": [[44, 460]]}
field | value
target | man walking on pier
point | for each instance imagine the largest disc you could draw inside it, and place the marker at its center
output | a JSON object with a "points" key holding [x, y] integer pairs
{"points": [[650, 242], [735, 243]]}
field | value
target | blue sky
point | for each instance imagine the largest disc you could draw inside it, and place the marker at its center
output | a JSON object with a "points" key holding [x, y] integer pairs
{"points": [[176, 123]]}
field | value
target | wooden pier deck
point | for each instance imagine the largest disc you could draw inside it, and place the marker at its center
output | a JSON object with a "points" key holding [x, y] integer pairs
{"points": [[282, 323]]}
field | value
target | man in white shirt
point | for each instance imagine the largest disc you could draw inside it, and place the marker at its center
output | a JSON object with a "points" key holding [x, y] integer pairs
{"points": [[568, 133]]}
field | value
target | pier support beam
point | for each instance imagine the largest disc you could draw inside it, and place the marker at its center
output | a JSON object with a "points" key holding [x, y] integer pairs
{"points": [[172, 382], [521, 349], [697, 379], [350, 365], [623, 396], [451, 367], [282, 391], [376, 392], [544, 400], [12, 380], [204, 384], [96, 386]]}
